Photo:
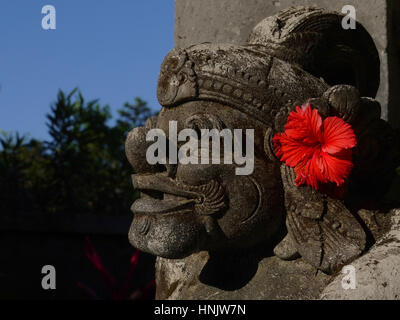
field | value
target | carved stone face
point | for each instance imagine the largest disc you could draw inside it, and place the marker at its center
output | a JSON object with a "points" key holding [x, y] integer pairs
{"points": [[193, 207], [186, 208]]}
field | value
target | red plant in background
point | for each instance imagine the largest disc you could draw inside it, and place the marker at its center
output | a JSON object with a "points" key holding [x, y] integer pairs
{"points": [[117, 292], [319, 150]]}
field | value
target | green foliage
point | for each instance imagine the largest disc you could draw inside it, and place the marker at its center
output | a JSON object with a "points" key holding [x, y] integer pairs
{"points": [[82, 168], [133, 115]]}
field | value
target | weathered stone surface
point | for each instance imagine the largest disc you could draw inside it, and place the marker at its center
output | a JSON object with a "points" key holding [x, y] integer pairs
{"points": [[377, 272], [216, 232], [249, 279], [230, 21]]}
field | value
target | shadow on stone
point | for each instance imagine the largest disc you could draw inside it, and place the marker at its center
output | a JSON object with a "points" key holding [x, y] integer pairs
{"points": [[231, 271]]}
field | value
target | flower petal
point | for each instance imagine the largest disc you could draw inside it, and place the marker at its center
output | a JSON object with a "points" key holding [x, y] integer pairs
{"points": [[291, 151], [337, 135], [335, 168], [304, 124], [323, 168], [309, 173]]}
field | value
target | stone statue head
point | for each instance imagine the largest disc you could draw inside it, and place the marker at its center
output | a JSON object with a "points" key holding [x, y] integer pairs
{"points": [[300, 55]]}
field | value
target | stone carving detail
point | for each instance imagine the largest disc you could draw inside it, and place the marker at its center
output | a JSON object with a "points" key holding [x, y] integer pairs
{"points": [[177, 79], [321, 229], [300, 55], [315, 40]]}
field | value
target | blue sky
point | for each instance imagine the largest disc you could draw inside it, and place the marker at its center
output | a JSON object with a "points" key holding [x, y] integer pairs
{"points": [[110, 49]]}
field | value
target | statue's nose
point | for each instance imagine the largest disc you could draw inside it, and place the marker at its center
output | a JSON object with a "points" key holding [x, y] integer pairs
{"points": [[135, 150]]}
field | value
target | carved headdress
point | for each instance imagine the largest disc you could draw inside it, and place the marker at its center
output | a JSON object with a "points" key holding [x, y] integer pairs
{"points": [[279, 67]]}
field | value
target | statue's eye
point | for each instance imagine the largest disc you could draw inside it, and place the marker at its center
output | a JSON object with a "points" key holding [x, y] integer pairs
{"points": [[201, 121], [198, 130], [210, 127]]}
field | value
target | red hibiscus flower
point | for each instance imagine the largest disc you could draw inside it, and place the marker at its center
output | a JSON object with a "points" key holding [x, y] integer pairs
{"points": [[319, 150]]}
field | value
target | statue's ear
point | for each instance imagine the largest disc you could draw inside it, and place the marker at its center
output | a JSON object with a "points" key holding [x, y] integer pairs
{"points": [[320, 229], [315, 40]]}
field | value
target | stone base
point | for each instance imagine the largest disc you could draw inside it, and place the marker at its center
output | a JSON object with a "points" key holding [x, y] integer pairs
{"points": [[199, 277], [271, 279]]}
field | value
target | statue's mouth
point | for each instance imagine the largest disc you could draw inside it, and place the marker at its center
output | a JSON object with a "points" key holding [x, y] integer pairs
{"points": [[160, 194]]}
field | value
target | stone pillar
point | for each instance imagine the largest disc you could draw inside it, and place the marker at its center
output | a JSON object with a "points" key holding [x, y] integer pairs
{"points": [[231, 21]]}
